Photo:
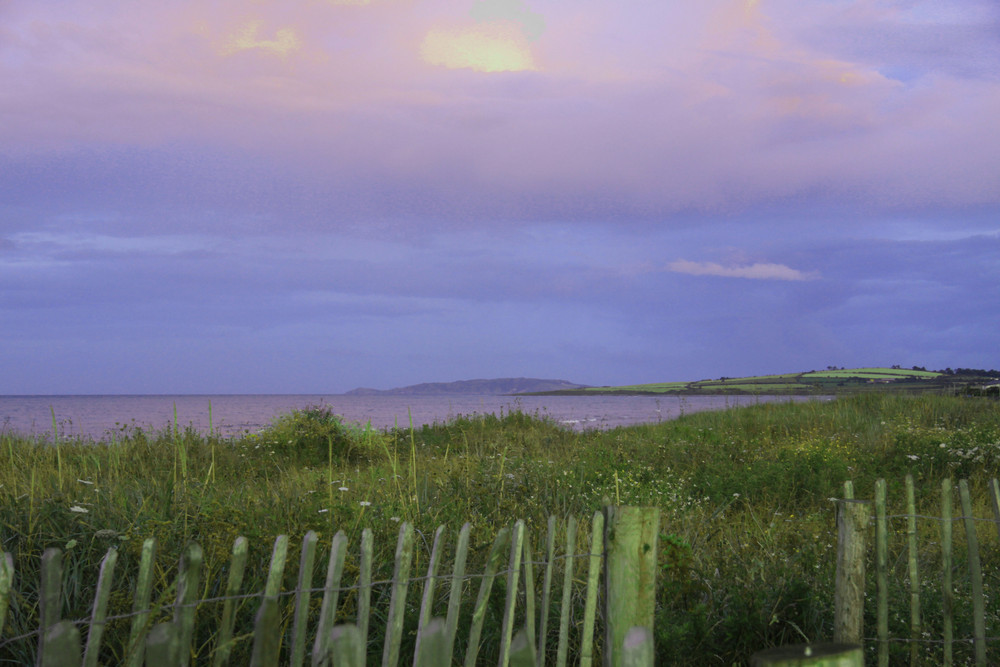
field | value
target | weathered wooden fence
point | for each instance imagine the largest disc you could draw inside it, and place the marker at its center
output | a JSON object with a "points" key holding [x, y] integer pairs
{"points": [[853, 537], [623, 546]]}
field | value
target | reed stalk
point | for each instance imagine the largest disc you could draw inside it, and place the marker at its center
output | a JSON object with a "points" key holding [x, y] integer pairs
{"points": [[55, 442]]}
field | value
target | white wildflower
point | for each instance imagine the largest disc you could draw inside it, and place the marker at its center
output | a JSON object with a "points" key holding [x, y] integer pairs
{"points": [[78, 509], [365, 503]]}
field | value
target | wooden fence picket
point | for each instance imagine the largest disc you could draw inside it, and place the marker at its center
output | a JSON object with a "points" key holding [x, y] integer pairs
{"points": [[485, 586], [306, 560], [331, 595], [528, 604], [430, 649], [527, 554], [397, 603], [6, 584], [237, 566], [97, 618], [912, 574], [188, 575], [427, 600], [543, 624], [995, 502], [567, 593], [140, 602], [513, 574], [62, 646], [917, 627], [522, 650], [49, 599], [455, 593], [162, 645], [346, 647], [593, 581], [947, 593], [975, 574], [266, 637], [882, 572], [364, 581]]}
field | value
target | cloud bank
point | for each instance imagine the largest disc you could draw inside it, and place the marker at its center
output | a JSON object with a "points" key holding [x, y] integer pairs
{"points": [[758, 271], [384, 193]]}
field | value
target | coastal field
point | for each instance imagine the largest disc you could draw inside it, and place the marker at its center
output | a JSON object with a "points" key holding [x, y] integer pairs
{"points": [[747, 540], [832, 381]]}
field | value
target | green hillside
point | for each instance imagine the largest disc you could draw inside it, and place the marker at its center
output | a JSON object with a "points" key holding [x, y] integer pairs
{"points": [[830, 381]]}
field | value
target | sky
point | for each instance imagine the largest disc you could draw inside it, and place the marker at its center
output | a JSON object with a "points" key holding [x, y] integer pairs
{"points": [[308, 196]]}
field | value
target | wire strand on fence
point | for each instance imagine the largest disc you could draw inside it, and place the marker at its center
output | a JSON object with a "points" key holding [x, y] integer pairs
{"points": [[910, 640], [282, 594], [937, 518]]}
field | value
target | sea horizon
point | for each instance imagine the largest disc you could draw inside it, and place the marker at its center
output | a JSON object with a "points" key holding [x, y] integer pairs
{"points": [[100, 416]]}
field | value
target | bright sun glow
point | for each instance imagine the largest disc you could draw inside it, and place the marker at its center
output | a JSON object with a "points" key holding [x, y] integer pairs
{"points": [[497, 46], [246, 38]]}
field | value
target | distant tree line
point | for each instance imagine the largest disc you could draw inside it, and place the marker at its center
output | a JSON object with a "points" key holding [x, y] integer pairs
{"points": [[979, 372], [948, 371]]}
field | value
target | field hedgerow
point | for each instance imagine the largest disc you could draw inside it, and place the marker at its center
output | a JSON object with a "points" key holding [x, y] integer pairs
{"points": [[747, 541]]}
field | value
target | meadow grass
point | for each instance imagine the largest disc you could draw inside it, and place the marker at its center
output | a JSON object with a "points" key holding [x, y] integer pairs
{"points": [[839, 381], [747, 542], [656, 387], [873, 373]]}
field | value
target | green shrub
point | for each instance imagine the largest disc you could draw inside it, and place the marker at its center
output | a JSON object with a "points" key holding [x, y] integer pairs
{"points": [[315, 435]]}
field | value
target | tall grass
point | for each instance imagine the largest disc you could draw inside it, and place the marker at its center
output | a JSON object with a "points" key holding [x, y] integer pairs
{"points": [[748, 532]]}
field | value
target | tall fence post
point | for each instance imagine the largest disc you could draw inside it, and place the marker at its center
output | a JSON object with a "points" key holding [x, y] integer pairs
{"points": [[849, 596], [631, 535]]}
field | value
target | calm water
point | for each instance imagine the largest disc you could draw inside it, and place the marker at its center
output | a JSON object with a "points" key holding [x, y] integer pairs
{"points": [[96, 416]]}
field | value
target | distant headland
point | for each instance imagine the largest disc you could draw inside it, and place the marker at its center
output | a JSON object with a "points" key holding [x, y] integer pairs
{"points": [[494, 387]]}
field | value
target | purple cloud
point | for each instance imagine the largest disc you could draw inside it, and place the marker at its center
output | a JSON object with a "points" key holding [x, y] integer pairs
{"points": [[757, 271]]}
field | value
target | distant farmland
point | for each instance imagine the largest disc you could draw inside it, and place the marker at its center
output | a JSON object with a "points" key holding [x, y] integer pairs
{"points": [[830, 381]]}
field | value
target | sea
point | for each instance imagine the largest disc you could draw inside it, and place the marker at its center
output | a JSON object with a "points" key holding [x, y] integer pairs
{"points": [[102, 417]]}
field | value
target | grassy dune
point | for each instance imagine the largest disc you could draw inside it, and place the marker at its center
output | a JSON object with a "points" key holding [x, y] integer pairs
{"points": [[748, 531]]}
